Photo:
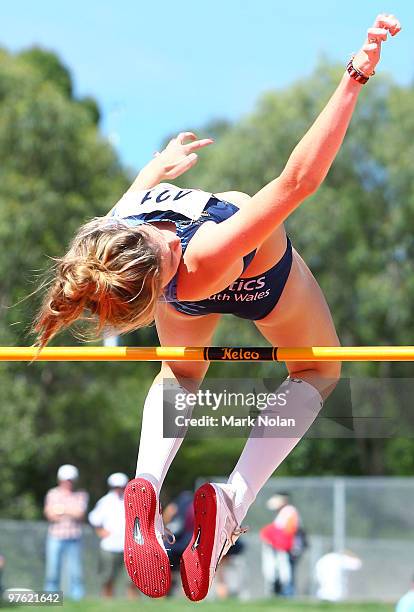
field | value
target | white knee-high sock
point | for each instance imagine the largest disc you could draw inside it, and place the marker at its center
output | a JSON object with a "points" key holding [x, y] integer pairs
{"points": [[265, 450], [156, 453]]}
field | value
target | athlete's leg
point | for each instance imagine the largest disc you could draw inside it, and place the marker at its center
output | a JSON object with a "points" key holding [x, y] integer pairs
{"points": [[301, 318], [174, 329], [145, 554]]}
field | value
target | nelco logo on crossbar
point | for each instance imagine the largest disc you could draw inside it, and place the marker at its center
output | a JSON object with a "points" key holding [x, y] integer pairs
{"points": [[240, 353], [235, 354]]}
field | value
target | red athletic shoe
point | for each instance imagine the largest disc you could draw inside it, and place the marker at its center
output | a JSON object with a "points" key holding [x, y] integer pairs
{"points": [[215, 531], [145, 556]]}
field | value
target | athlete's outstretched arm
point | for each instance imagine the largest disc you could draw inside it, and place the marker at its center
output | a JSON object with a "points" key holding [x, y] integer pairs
{"points": [[305, 169]]}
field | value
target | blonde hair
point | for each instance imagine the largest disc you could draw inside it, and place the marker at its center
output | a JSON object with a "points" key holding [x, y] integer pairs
{"points": [[112, 271]]}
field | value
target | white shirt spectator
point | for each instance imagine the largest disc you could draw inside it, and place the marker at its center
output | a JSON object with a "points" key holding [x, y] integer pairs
{"points": [[109, 514], [406, 603], [330, 573]]}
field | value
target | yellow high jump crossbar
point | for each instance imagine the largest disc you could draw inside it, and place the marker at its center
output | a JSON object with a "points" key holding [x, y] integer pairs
{"points": [[208, 353]]}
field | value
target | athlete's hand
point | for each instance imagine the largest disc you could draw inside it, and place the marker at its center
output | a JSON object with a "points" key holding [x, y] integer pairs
{"points": [[179, 155], [368, 57]]}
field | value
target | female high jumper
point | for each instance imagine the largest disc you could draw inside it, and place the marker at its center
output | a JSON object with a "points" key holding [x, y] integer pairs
{"points": [[182, 257]]}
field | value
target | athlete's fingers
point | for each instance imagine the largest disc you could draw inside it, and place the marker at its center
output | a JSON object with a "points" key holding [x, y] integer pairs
{"points": [[178, 140], [370, 47], [183, 136], [182, 166], [367, 59], [395, 25], [198, 144], [376, 34], [389, 22]]}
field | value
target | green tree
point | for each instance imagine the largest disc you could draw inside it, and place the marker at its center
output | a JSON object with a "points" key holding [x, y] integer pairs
{"points": [[355, 234], [57, 170], [49, 67]]}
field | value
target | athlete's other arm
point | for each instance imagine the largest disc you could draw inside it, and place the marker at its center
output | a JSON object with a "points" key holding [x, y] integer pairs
{"points": [[304, 171], [177, 157]]}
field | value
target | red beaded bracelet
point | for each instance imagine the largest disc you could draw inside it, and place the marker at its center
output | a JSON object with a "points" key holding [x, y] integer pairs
{"points": [[356, 74]]}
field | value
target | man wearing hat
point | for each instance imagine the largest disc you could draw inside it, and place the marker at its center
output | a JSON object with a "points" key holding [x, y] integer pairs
{"points": [[108, 518], [65, 510]]}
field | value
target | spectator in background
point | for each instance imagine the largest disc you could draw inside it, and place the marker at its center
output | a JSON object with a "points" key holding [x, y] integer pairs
{"points": [[178, 518], [108, 518], [2, 564], [65, 510], [406, 603], [331, 574], [230, 574], [280, 551]]}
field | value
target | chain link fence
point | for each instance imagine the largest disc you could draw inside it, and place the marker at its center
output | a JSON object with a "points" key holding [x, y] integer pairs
{"points": [[372, 517]]}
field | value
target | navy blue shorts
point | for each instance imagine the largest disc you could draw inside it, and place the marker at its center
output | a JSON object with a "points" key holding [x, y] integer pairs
{"points": [[248, 298]]}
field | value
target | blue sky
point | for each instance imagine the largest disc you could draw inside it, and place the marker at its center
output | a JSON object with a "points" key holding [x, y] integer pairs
{"points": [[160, 67]]}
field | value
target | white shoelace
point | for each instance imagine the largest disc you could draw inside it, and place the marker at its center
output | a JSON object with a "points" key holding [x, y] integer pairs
{"points": [[237, 533]]}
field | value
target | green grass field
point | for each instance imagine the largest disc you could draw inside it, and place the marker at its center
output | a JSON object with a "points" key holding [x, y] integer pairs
{"points": [[177, 605]]}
